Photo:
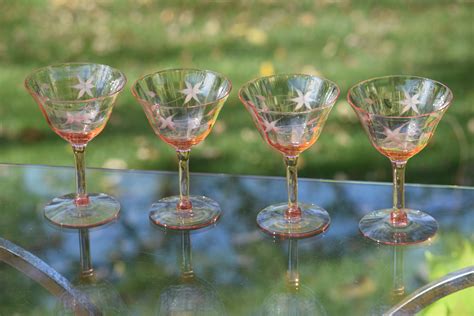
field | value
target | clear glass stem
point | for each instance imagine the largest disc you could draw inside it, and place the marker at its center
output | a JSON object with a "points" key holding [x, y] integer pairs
{"points": [[81, 194], [398, 217], [293, 212], [184, 202], [292, 273], [186, 263], [398, 279], [84, 247]]}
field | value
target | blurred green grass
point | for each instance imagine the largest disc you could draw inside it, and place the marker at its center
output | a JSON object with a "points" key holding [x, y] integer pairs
{"points": [[345, 41]]}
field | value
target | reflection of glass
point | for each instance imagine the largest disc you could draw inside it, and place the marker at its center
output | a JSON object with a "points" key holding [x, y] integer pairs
{"points": [[296, 299], [398, 284], [100, 293], [192, 296], [289, 112], [182, 106], [76, 100], [399, 114], [397, 289]]}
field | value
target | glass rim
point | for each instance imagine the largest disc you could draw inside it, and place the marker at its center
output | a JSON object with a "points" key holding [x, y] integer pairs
{"points": [[218, 74], [327, 105], [445, 105], [116, 91]]}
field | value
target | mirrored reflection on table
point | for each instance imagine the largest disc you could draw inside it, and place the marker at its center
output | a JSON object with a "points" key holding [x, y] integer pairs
{"points": [[348, 273], [99, 292], [294, 298], [191, 295]]}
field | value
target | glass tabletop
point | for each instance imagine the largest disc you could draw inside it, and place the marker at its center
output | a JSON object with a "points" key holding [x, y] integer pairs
{"points": [[231, 268]]}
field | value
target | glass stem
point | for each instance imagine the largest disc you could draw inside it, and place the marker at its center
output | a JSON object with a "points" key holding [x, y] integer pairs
{"points": [[84, 247], [398, 217], [81, 195], [293, 274], [293, 212], [184, 203], [186, 264]]}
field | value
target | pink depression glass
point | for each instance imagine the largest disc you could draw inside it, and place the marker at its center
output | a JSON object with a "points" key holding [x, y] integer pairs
{"points": [[289, 112], [182, 106], [77, 99], [400, 115]]}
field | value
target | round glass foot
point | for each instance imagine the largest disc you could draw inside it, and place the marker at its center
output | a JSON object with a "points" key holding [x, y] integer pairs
{"points": [[377, 226], [64, 212], [204, 212], [314, 220]]}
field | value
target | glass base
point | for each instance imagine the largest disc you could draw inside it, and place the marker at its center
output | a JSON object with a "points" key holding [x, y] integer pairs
{"points": [[204, 212], [377, 226], [64, 212], [314, 220]]}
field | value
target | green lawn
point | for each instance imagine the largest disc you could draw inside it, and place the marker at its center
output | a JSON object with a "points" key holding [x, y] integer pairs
{"points": [[343, 41]]}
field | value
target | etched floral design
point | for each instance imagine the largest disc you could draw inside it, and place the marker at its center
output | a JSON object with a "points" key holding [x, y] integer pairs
{"points": [[270, 126], [79, 118], [87, 116], [191, 92], [303, 99], [84, 87], [166, 122], [410, 102], [395, 137]]}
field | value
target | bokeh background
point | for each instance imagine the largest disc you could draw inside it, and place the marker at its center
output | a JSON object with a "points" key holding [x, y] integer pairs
{"points": [[345, 41]]}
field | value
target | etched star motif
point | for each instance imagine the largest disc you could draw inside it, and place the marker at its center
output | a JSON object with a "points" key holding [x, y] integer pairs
{"points": [[270, 126], [303, 99], [410, 102], [394, 138], [84, 87], [166, 122], [191, 91]]}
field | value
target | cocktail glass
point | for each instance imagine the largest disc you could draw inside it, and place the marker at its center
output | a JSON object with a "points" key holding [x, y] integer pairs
{"points": [[77, 99], [289, 112], [400, 115], [182, 106]]}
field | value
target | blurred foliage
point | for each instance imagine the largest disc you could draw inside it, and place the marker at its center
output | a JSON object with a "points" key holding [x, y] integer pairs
{"points": [[461, 254], [346, 41]]}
